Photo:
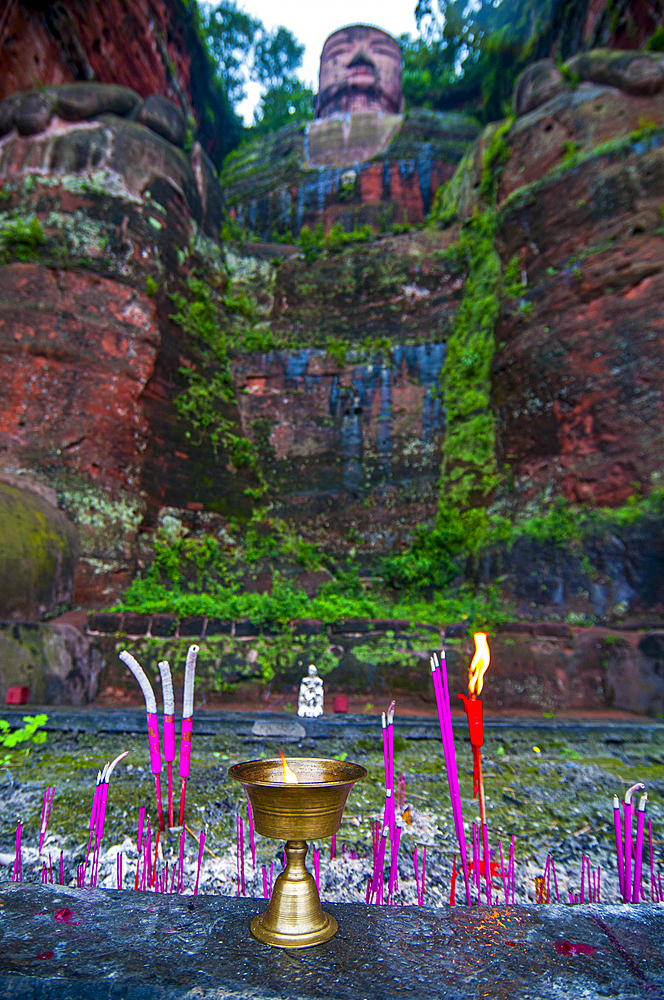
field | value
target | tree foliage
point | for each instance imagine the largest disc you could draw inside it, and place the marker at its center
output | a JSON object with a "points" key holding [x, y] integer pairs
{"points": [[468, 54], [243, 48]]}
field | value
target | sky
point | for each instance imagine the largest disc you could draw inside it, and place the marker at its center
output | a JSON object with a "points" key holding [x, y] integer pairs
{"points": [[311, 21]]}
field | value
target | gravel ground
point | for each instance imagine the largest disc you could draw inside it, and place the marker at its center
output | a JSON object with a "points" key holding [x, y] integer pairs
{"points": [[552, 794]]}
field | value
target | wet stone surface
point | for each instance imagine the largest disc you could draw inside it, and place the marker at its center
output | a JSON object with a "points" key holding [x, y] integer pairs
{"points": [[127, 945]]}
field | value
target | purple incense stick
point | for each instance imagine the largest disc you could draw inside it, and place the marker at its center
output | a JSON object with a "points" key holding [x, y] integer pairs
{"points": [[390, 755], [264, 882], [417, 876], [62, 870], [242, 854]]}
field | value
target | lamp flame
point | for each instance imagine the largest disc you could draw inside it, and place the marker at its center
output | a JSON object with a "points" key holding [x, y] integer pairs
{"points": [[479, 664], [289, 776]]}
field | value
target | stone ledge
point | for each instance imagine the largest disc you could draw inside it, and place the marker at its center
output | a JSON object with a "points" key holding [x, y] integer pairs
{"points": [[141, 945]]}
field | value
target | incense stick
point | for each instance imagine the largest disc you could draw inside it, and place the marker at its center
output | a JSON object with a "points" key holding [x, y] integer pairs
{"points": [[153, 725], [201, 845], [617, 823], [640, 821], [169, 729], [187, 724], [439, 676], [46, 812], [252, 842]]}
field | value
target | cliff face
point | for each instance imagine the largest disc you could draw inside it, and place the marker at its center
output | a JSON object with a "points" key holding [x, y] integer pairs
{"points": [[152, 47], [103, 223], [385, 171]]}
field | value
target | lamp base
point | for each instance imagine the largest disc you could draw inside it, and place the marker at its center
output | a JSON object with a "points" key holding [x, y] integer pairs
{"points": [[279, 940], [294, 918]]}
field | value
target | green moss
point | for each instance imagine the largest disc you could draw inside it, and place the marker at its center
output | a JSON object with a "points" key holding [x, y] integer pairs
{"points": [[21, 239], [496, 155]]}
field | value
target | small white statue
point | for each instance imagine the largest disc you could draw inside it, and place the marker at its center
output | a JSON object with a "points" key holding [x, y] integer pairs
{"points": [[310, 700]]}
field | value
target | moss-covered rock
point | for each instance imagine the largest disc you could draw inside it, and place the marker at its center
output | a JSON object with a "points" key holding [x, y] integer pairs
{"points": [[38, 548]]}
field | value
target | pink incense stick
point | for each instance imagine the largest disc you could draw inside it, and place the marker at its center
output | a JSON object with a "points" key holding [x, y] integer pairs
{"points": [[153, 725], [181, 862], [512, 868], [201, 845], [17, 873], [264, 882], [46, 812], [617, 823], [627, 815], [447, 738], [583, 872], [169, 729], [502, 872], [390, 757], [599, 886], [654, 896], [317, 868], [333, 848], [638, 863], [555, 880], [61, 880], [378, 874], [187, 724], [93, 815], [487, 864], [392, 884], [252, 841], [242, 853]]}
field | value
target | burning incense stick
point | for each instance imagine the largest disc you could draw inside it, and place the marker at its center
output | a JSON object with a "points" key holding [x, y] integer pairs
{"points": [[169, 729], [187, 724], [640, 823], [473, 708], [153, 725]]}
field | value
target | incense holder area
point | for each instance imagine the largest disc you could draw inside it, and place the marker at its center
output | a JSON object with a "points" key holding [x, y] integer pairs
{"points": [[308, 809]]}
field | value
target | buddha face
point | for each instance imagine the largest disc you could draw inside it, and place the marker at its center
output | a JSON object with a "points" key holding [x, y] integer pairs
{"points": [[360, 67]]}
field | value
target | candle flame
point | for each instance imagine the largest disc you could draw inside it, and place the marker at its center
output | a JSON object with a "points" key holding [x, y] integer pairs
{"points": [[289, 777], [479, 664]]}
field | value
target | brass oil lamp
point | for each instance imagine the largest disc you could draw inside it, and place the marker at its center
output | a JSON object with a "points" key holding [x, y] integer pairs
{"points": [[296, 800]]}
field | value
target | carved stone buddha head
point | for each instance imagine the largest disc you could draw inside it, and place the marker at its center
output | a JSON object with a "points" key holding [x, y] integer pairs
{"points": [[360, 70]]}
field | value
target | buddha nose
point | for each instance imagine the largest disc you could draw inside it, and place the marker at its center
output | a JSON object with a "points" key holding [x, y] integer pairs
{"points": [[361, 59]]}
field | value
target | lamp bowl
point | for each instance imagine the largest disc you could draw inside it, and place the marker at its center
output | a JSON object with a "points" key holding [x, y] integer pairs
{"points": [[310, 810]]}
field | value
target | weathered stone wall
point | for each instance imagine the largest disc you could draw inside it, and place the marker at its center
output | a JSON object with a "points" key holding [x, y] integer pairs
{"points": [[103, 220], [151, 47], [59, 664], [291, 178]]}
